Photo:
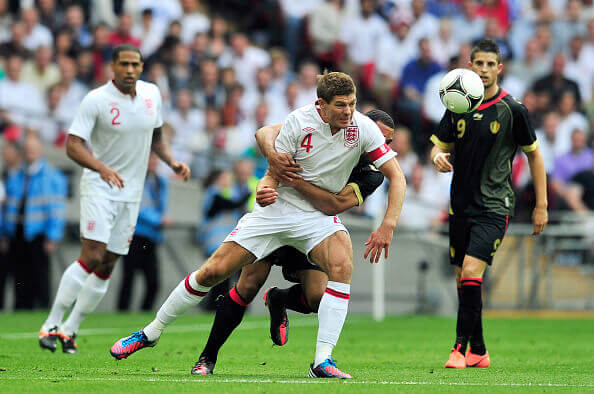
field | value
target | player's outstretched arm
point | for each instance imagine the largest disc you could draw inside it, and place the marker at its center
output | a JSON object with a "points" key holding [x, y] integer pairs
{"points": [[78, 151], [381, 238], [540, 216], [266, 190], [162, 149], [440, 158], [282, 166]]}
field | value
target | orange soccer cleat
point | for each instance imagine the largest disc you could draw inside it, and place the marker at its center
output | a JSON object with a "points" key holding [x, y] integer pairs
{"points": [[456, 359], [476, 360]]}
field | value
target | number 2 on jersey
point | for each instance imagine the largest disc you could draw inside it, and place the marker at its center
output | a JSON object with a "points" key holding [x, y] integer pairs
{"points": [[114, 121], [306, 143]]}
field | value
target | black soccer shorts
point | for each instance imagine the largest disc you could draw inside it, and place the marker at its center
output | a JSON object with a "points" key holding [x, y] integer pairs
{"points": [[476, 236], [292, 261]]}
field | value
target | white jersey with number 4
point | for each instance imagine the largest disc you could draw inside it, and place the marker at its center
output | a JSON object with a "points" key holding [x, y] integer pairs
{"points": [[119, 130], [327, 160]]}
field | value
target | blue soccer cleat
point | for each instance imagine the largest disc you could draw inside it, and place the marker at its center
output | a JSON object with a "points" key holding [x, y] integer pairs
{"points": [[126, 346], [327, 369]]}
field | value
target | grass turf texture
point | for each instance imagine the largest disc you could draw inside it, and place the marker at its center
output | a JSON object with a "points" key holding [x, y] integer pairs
{"points": [[399, 354]]}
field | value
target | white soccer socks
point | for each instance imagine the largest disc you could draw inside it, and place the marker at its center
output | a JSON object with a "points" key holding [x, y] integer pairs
{"points": [[331, 316], [72, 281], [87, 301], [187, 294]]}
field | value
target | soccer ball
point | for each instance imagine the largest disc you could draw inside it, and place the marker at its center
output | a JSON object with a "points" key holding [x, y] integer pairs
{"points": [[461, 90]]}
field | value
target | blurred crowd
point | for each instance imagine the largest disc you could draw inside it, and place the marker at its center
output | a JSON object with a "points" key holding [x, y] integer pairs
{"points": [[227, 67]]}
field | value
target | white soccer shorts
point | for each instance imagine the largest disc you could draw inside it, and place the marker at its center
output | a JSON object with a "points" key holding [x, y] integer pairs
{"points": [[107, 221], [266, 229]]}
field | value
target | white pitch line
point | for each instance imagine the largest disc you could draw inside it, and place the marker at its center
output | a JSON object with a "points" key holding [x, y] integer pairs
{"points": [[174, 329], [302, 381]]}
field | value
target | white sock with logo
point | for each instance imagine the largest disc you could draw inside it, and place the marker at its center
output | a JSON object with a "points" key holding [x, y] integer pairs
{"points": [[71, 282], [187, 294], [87, 301], [331, 316]]}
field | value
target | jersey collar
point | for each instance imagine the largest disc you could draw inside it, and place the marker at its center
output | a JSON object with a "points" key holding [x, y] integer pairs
{"points": [[495, 99], [117, 91]]}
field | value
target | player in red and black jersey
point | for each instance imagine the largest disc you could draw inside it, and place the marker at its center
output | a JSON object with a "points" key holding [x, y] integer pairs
{"points": [[479, 148]]}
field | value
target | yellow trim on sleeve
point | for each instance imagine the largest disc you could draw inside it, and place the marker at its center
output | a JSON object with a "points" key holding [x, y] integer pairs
{"points": [[357, 192], [443, 145], [450, 210], [530, 148]]}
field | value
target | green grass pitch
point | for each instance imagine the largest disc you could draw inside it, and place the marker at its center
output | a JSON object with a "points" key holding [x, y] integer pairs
{"points": [[400, 354]]}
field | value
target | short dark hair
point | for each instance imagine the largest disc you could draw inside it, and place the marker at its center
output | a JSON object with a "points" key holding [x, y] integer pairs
{"points": [[334, 84], [377, 115], [124, 48], [486, 45]]}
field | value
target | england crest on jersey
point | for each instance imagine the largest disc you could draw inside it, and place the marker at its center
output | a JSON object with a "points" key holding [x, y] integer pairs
{"points": [[351, 137]]}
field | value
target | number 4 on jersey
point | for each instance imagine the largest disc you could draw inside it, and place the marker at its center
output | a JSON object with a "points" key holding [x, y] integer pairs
{"points": [[306, 143]]}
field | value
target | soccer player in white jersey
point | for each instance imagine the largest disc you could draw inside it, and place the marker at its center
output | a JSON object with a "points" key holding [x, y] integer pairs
{"points": [[326, 140], [121, 122]]}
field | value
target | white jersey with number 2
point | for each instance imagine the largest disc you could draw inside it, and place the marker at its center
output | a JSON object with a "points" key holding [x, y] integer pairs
{"points": [[327, 160], [119, 130]]}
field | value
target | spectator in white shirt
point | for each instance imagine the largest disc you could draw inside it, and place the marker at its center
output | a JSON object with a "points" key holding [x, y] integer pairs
{"points": [[37, 34], [531, 66], [469, 27], [192, 21], [286, 105], [361, 35], [444, 45], [547, 137], [394, 51], [579, 68], [325, 25], [186, 121], [20, 102], [245, 59], [570, 121], [421, 209], [72, 90], [150, 31], [281, 73], [401, 144], [263, 91], [52, 129], [40, 71], [307, 81], [424, 25]]}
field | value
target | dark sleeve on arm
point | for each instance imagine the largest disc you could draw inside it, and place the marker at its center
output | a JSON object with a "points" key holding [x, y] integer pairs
{"points": [[522, 129], [445, 135], [365, 180], [221, 203]]}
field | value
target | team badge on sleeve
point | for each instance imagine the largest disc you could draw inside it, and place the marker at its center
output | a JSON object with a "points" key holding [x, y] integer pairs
{"points": [[351, 137]]}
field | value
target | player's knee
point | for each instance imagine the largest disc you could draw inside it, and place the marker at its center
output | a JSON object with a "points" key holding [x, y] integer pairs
{"points": [[471, 270], [341, 271], [248, 290], [210, 274]]}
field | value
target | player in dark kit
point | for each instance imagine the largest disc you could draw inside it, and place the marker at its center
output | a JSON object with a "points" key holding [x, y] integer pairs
{"points": [[305, 295], [483, 144]]}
